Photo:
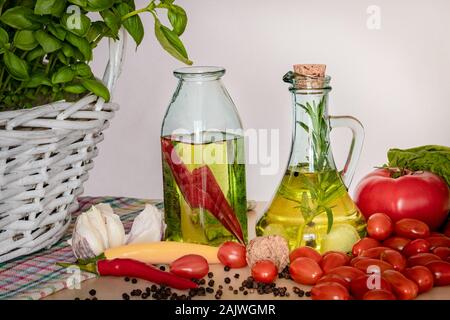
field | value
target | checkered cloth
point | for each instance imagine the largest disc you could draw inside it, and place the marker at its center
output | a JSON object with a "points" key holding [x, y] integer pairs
{"points": [[36, 276]]}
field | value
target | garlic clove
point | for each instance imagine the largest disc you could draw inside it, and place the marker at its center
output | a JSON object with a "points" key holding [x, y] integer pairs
{"points": [[115, 230], [105, 208], [98, 223], [148, 226], [86, 241]]}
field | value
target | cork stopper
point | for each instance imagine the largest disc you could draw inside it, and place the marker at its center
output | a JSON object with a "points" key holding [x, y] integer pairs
{"points": [[309, 76]]}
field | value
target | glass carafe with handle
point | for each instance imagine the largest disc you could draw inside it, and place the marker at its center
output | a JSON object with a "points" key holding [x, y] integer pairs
{"points": [[311, 206]]}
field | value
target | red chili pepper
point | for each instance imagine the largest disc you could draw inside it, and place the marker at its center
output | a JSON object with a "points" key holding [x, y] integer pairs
{"points": [[137, 269], [201, 190]]}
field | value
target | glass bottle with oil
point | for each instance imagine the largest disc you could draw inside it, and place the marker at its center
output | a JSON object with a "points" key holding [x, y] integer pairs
{"points": [[312, 206], [203, 161]]}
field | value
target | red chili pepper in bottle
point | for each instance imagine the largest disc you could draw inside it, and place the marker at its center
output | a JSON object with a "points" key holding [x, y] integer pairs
{"points": [[201, 190], [137, 269]]}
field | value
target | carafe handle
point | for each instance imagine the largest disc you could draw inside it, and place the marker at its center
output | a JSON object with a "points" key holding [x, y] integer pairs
{"points": [[355, 146]]}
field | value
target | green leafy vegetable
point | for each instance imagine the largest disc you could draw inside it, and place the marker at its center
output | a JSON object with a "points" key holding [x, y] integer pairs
{"points": [[427, 158]]}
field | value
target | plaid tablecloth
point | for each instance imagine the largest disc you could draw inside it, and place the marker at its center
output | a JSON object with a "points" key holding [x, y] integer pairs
{"points": [[36, 276]]}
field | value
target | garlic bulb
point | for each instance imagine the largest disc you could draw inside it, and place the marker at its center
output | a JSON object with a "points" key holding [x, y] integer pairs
{"points": [[96, 230], [148, 226]]}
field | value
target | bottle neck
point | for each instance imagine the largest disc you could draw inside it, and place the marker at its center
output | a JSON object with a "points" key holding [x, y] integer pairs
{"points": [[311, 151]]}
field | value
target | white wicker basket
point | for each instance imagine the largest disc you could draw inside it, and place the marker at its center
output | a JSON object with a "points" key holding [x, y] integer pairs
{"points": [[45, 154]]}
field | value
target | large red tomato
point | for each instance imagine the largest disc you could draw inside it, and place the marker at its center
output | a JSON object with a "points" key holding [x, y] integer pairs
{"points": [[420, 195]]}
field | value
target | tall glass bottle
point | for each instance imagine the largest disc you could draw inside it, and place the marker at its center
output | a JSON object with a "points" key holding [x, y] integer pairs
{"points": [[203, 161], [311, 206]]}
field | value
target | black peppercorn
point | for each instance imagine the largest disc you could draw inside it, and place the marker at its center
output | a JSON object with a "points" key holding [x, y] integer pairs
{"points": [[245, 292], [127, 279], [235, 291], [202, 282], [162, 268], [237, 275], [209, 290], [227, 280], [125, 296], [210, 275], [308, 293], [211, 283], [134, 280], [92, 292], [226, 268]]}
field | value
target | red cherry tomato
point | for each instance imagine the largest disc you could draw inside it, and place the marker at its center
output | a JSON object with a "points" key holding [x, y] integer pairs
{"points": [[305, 271], [447, 229], [364, 244], [356, 259], [368, 265], [190, 266], [395, 258], [421, 195], [438, 241], [415, 247], [334, 278], [411, 229], [442, 252], [346, 256], [347, 272], [403, 288], [264, 271], [305, 252], [331, 261], [422, 276], [374, 253], [379, 226], [421, 259], [396, 243], [440, 271], [379, 295], [361, 285], [232, 254], [329, 291]]}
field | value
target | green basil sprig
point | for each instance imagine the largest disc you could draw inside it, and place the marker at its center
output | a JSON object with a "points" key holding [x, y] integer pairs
{"points": [[46, 45]]}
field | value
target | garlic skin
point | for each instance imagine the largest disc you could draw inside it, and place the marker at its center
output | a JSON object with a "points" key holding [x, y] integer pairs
{"points": [[148, 226], [95, 231]]}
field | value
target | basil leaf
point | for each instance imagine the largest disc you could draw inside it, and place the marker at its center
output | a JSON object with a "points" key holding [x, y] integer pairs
{"points": [[17, 67], [96, 30], [96, 87], [177, 18], [25, 40], [19, 18], [48, 42], [74, 88], [82, 70], [78, 24], [49, 7], [35, 53], [38, 79], [57, 30], [62, 57], [170, 42], [111, 20], [81, 3], [81, 44], [67, 50], [99, 5], [63, 75], [4, 37], [133, 25]]}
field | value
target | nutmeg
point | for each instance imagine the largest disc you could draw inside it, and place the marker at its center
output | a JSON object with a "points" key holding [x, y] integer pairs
{"points": [[274, 248]]}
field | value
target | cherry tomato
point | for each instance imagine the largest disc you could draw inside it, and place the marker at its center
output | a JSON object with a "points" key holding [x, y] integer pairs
{"points": [[395, 258], [421, 259], [422, 276], [329, 291], [305, 252], [447, 229], [437, 234], [379, 226], [356, 259], [264, 271], [232, 254], [364, 244], [368, 265], [379, 295], [346, 256], [374, 253], [442, 252], [347, 272], [415, 247], [361, 285], [438, 241], [403, 288], [411, 229], [334, 278], [305, 270], [421, 195], [396, 243], [331, 261], [190, 266], [440, 271]]}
